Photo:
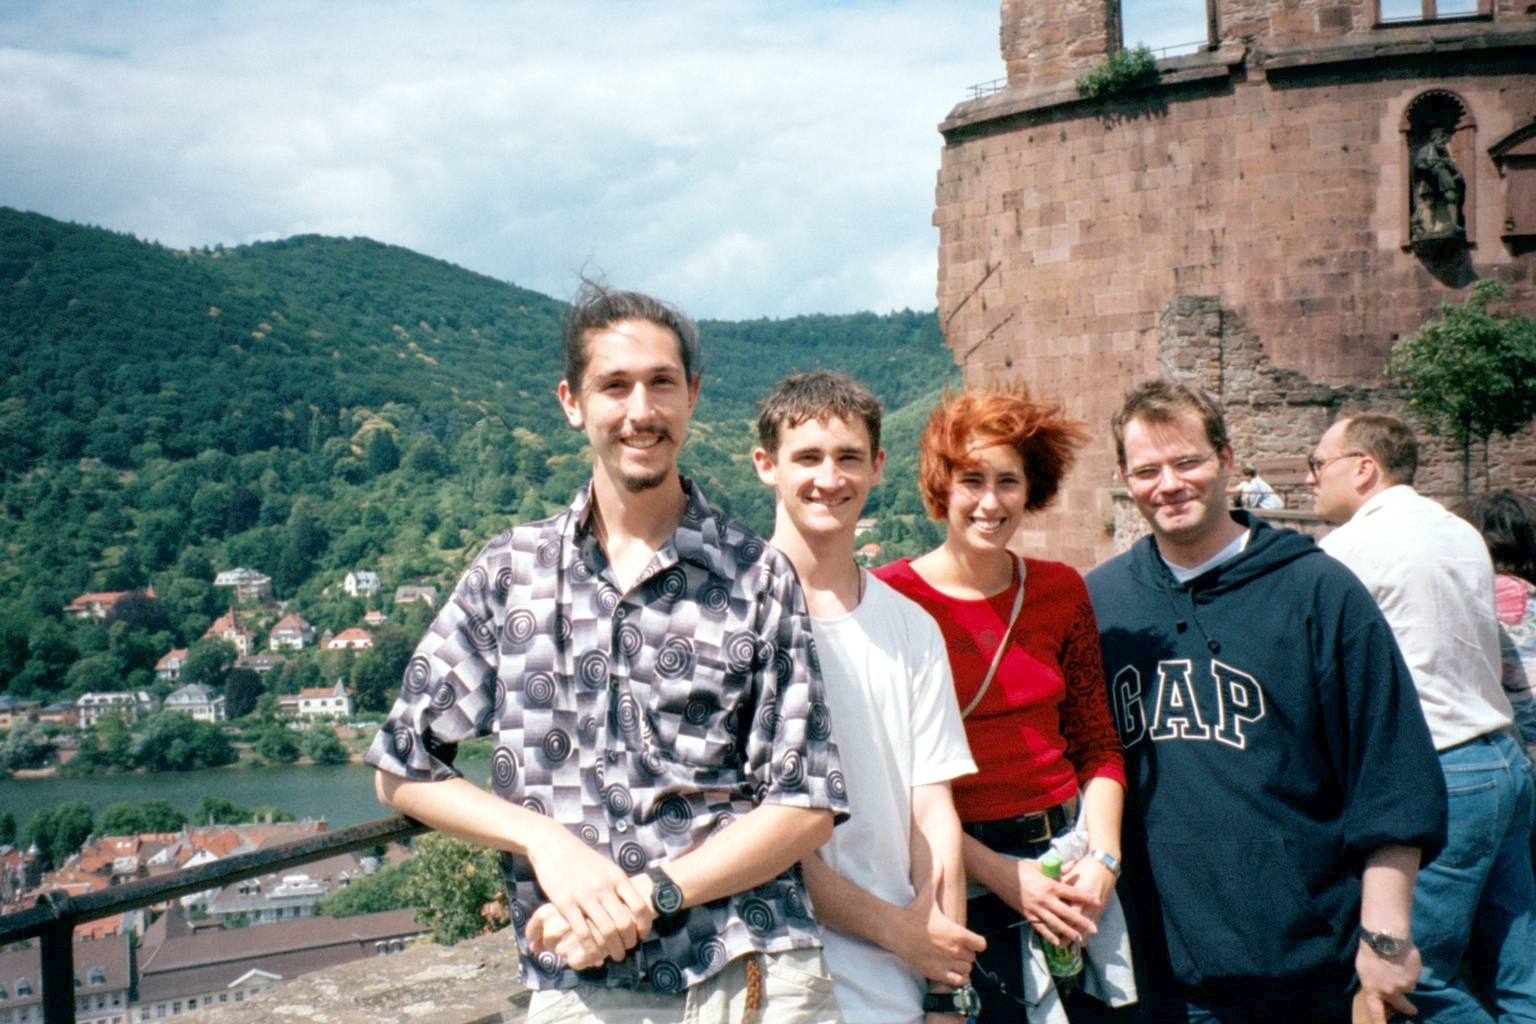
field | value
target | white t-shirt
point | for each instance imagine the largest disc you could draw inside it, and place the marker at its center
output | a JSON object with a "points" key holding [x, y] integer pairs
{"points": [[1430, 574], [897, 725]]}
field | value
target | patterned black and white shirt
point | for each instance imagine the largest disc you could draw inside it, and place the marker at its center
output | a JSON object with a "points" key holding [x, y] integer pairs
{"points": [[644, 721]]}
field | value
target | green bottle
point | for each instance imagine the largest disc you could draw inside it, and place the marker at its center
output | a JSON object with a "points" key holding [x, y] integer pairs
{"points": [[1065, 962]]}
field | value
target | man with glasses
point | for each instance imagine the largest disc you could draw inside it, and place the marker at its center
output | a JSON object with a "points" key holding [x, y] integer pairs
{"points": [[1282, 784], [1431, 574]]}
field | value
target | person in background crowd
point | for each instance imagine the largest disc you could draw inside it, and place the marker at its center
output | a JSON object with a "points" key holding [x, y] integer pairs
{"points": [[1255, 492], [884, 883], [1023, 647], [1283, 787], [663, 754], [1507, 522], [1430, 573]]}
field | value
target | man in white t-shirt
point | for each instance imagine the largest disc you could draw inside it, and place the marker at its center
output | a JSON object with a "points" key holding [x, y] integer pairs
{"points": [[889, 887]]}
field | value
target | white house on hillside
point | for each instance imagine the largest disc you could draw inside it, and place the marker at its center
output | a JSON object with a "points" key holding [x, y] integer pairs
{"points": [[129, 706], [197, 700], [291, 631], [249, 584], [317, 701], [361, 583]]}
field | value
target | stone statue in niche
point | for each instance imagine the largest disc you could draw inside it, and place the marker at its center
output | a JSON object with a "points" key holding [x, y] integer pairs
{"points": [[1438, 193]]}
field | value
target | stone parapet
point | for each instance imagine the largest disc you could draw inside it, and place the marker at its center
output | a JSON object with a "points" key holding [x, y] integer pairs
{"points": [[474, 982]]}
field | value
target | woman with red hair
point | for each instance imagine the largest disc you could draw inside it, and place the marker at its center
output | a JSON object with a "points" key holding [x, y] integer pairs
{"points": [[1024, 651]]}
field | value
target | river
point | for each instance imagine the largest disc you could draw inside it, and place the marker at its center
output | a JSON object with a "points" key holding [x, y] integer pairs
{"points": [[342, 794]]}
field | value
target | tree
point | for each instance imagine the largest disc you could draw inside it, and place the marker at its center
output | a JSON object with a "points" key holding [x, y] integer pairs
{"points": [[321, 746], [106, 747], [1471, 373], [382, 454], [139, 612], [242, 687], [385, 889], [7, 828], [277, 743], [129, 819], [453, 882], [218, 810], [207, 661], [59, 832], [27, 746], [172, 741]]}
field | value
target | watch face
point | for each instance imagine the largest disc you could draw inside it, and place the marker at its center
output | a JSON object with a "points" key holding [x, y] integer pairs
{"points": [[1385, 945], [667, 896]]}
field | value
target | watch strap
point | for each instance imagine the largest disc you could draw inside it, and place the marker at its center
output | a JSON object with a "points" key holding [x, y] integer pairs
{"points": [[1384, 943]]}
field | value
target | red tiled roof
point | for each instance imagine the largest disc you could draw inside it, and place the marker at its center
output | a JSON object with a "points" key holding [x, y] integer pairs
{"points": [[229, 622]]}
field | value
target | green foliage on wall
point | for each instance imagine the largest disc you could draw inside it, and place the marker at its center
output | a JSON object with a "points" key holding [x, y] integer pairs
{"points": [[1120, 72]]}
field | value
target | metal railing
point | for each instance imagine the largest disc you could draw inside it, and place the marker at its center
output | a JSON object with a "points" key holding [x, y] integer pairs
{"points": [[56, 914], [986, 89]]}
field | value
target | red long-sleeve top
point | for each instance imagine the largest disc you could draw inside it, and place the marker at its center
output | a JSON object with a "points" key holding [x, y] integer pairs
{"points": [[1044, 727]]}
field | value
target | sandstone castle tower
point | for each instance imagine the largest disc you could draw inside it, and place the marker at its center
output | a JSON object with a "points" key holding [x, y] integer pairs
{"points": [[1267, 218]]}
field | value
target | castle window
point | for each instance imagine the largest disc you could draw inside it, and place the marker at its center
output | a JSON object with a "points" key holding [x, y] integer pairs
{"points": [[1172, 28], [1397, 12], [1515, 157]]}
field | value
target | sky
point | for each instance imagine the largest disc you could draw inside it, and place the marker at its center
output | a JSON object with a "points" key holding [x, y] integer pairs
{"points": [[744, 158]]}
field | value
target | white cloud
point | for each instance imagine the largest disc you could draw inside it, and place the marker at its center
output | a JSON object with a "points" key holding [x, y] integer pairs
{"points": [[744, 158]]}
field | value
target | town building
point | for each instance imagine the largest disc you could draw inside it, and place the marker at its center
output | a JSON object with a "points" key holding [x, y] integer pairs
{"points": [[168, 668], [374, 617], [99, 606], [313, 702], [229, 628], [103, 982], [291, 631], [285, 895], [181, 969], [1266, 218], [407, 595], [129, 706], [353, 639], [261, 664], [361, 583], [18, 709], [249, 585], [197, 700], [60, 712]]}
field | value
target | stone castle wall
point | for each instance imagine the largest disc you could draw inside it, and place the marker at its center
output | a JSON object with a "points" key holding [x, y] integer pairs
{"points": [[1267, 176]]}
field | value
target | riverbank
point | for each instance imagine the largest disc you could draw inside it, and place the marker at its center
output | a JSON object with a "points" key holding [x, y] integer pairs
{"points": [[342, 794]]}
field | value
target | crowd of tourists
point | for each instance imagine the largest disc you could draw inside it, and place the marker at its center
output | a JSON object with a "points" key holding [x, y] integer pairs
{"points": [[1232, 775]]}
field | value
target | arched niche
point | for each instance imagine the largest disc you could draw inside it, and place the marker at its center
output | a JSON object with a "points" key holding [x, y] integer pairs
{"points": [[1439, 198], [1515, 157]]}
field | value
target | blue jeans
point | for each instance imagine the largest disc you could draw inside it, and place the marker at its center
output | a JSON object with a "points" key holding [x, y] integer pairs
{"points": [[1479, 896]]}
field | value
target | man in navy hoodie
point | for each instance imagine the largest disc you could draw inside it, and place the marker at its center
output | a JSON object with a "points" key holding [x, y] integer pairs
{"points": [[1283, 786]]}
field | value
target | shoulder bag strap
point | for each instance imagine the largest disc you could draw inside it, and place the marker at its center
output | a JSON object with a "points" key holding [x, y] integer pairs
{"points": [[997, 659]]}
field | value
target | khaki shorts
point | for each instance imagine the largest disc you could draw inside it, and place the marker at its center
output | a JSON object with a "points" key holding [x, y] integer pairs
{"points": [[797, 989]]}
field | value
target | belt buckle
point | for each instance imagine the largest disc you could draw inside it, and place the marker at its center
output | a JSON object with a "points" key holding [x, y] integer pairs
{"points": [[1037, 827]]}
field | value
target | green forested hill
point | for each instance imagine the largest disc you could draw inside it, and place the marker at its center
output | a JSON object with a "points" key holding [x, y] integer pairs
{"points": [[317, 405]]}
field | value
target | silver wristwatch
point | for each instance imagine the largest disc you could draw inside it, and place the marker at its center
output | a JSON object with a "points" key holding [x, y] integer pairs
{"points": [[1109, 860], [1385, 944]]}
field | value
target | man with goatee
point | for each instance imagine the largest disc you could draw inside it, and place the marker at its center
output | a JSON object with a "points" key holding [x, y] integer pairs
{"points": [[663, 754]]}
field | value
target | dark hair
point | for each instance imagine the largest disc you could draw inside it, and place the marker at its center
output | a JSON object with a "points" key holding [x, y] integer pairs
{"points": [[1507, 522], [596, 306], [819, 396], [1162, 400], [1043, 435], [1388, 441]]}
